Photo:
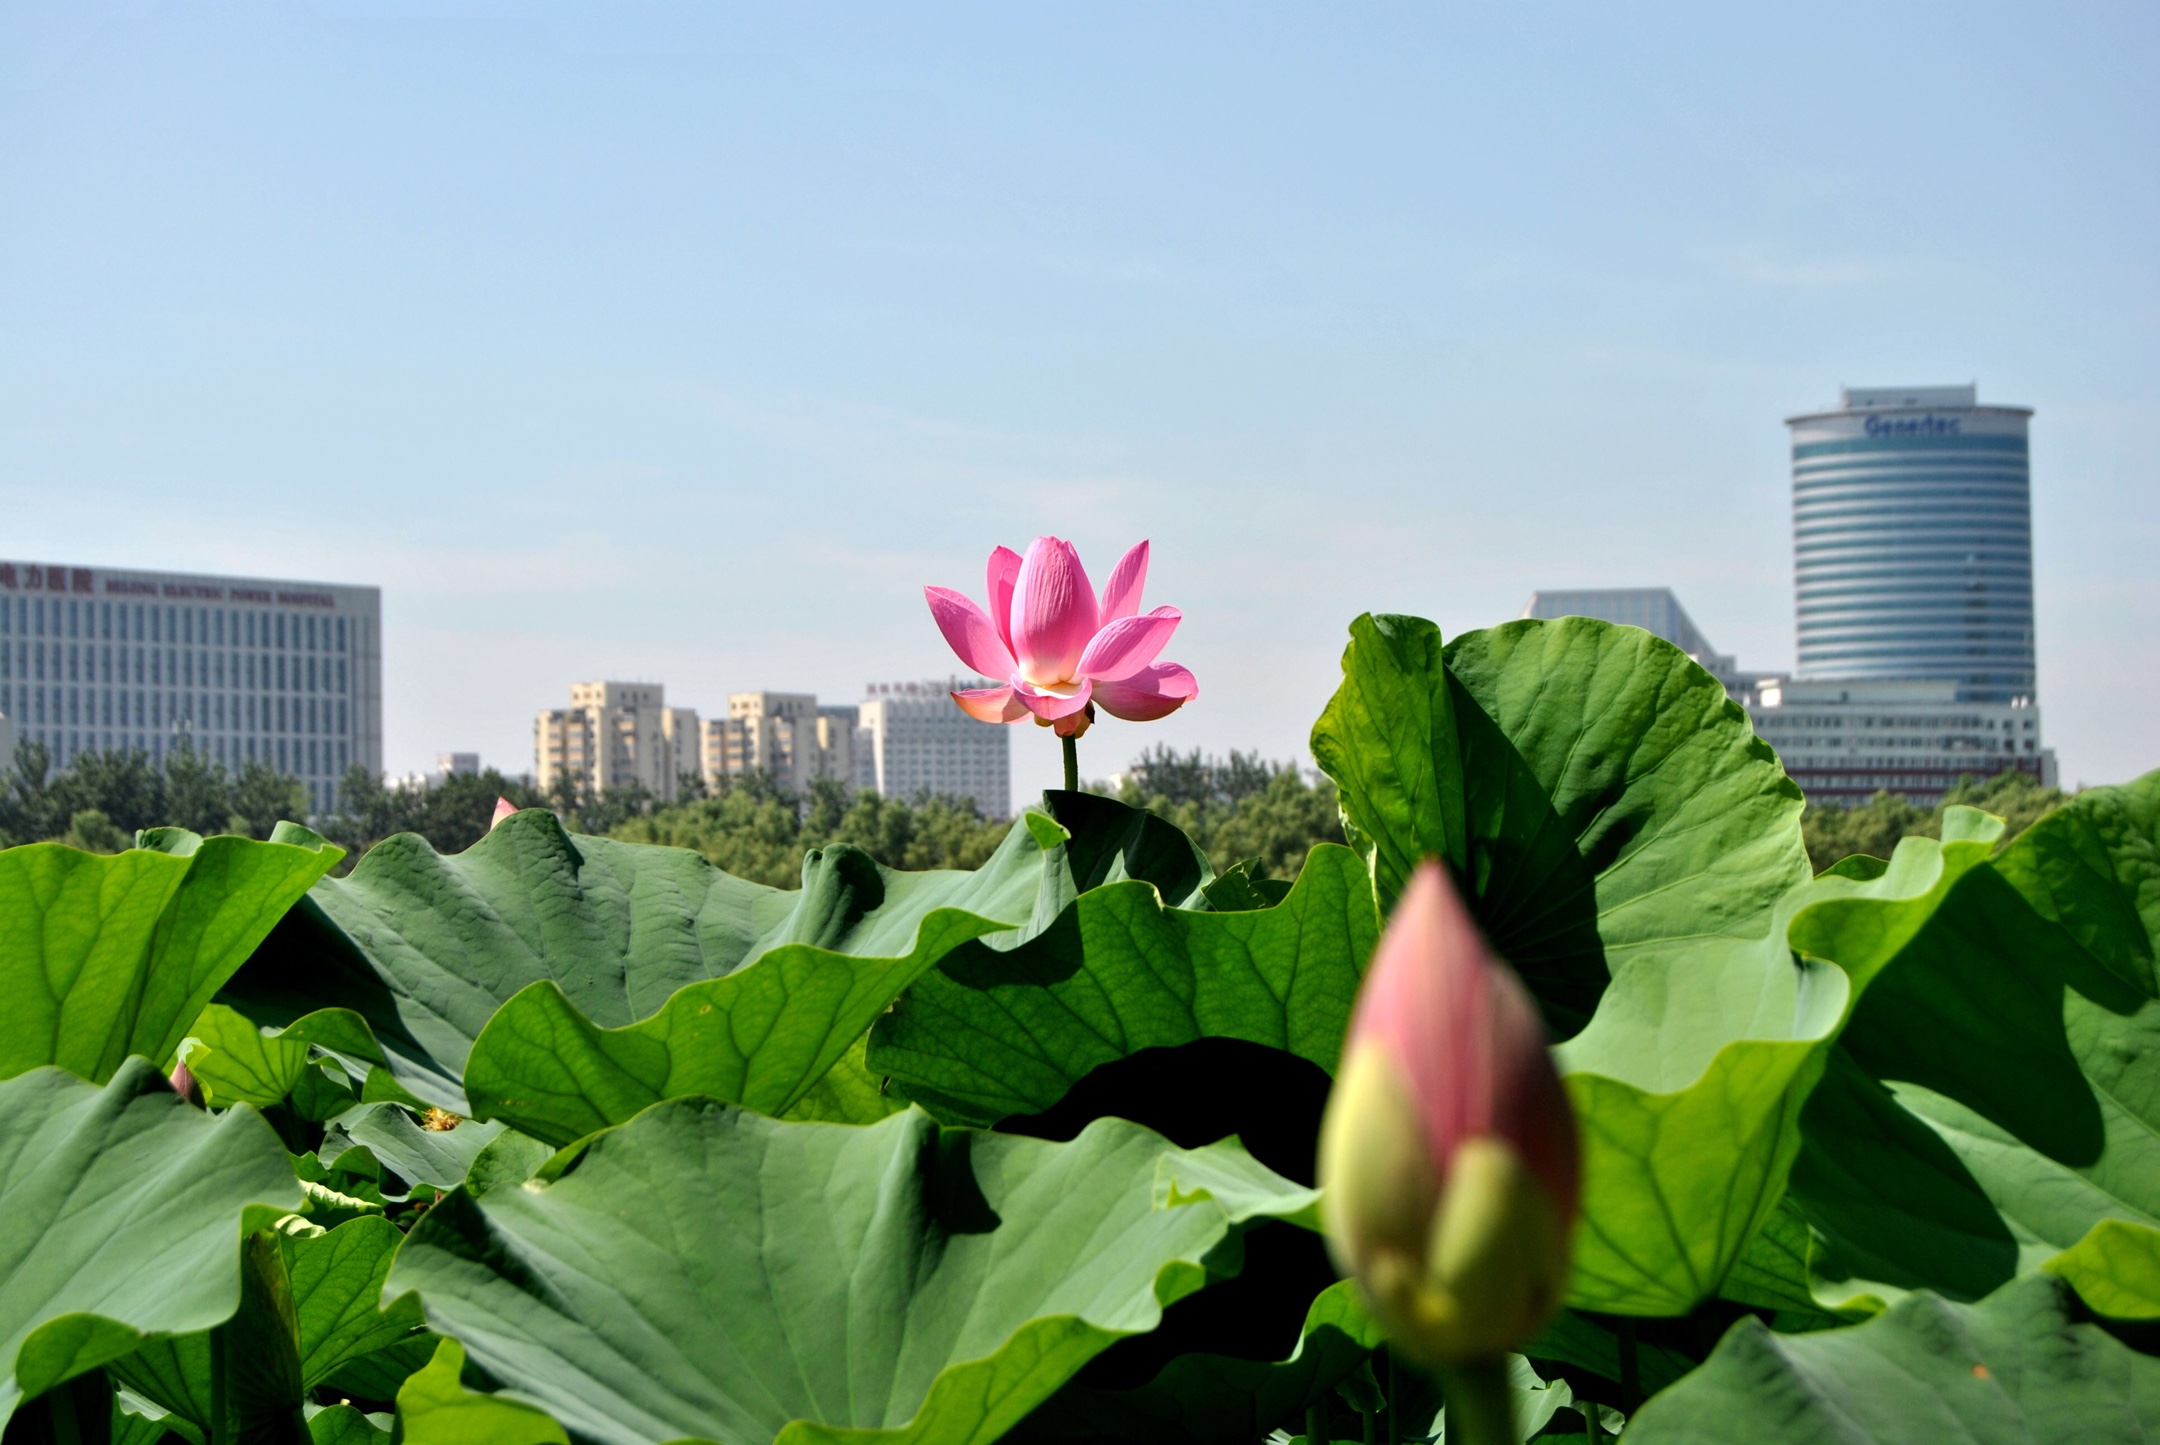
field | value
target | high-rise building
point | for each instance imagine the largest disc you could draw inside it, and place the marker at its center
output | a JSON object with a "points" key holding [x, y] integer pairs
{"points": [[238, 669], [616, 735], [922, 745], [791, 738], [1912, 563], [1912, 541]]}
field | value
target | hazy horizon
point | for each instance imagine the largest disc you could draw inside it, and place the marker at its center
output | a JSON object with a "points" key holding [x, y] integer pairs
{"points": [[686, 345]]}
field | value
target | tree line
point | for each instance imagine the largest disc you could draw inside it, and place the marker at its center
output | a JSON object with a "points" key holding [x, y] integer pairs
{"points": [[1237, 807], [1874, 827], [100, 802]]}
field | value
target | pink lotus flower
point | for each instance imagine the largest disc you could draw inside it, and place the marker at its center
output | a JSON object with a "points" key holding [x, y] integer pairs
{"points": [[1448, 1153], [1062, 650], [505, 810]]}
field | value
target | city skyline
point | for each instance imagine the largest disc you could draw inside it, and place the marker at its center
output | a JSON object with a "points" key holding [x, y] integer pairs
{"points": [[692, 345]]}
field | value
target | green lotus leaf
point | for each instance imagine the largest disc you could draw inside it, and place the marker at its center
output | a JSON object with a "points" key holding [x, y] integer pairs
{"points": [[705, 1272], [2115, 1268], [1995, 1098], [310, 1306], [379, 1376], [237, 1063], [848, 1093], [136, 1421], [985, 1035], [345, 1425], [1591, 1344], [1595, 790], [2094, 870], [403, 963], [435, 1408], [763, 1037], [1389, 740], [107, 956], [1689, 1082], [337, 1285], [1207, 1399], [2012, 1369], [120, 1218], [438, 1157], [240, 1380]]}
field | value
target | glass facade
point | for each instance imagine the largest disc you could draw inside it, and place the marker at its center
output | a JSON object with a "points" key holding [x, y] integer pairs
{"points": [[237, 671], [1912, 534]]}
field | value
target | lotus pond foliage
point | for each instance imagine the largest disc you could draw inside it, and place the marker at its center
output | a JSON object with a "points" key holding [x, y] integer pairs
{"points": [[562, 1137]]}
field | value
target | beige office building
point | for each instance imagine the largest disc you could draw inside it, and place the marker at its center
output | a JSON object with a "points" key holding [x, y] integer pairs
{"points": [[788, 737], [921, 745], [615, 735]]}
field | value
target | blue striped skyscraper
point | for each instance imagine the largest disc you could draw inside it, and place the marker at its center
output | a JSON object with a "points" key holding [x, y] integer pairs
{"points": [[1912, 540]]}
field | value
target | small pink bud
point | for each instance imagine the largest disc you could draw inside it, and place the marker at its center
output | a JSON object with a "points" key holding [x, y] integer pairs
{"points": [[183, 1083], [1448, 1152], [504, 808]]}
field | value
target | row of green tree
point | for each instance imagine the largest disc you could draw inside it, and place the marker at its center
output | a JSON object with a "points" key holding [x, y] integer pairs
{"points": [[1875, 826], [1237, 807], [100, 802]]}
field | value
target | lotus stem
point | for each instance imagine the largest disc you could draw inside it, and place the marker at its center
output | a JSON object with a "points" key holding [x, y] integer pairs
{"points": [[1072, 764], [1480, 1406], [1394, 1421], [1316, 1432]]}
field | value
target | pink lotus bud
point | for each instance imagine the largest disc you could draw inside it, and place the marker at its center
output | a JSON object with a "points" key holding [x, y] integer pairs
{"points": [[182, 1079], [1448, 1153], [504, 808]]}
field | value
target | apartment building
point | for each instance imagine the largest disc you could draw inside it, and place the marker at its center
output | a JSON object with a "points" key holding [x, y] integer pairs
{"points": [[616, 735], [921, 745]]}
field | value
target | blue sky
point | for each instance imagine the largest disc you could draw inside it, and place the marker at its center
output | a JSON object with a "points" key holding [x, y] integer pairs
{"points": [[687, 342]]}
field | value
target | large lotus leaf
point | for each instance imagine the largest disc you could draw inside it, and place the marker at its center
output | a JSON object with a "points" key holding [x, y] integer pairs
{"points": [[1111, 842], [240, 1380], [311, 1304], [2012, 1370], [346, 1425], [1598, 793], [337, 1279], [381, 1375], [986, 1035], [706, 1272], [235, 1062], [107, 956], [1996, 1101], [415, 1153], [435, 1408], [1209, 1399], [1388, 739], [1688, 1083], [762, 1036], [2094, 869], [120, 1218], [405, 961]]}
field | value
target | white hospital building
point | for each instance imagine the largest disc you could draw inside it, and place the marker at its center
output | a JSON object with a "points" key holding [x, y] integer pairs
{"points": [[239, 669]]}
